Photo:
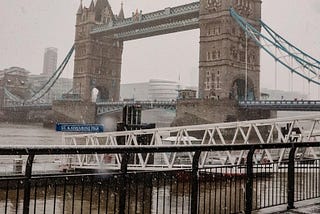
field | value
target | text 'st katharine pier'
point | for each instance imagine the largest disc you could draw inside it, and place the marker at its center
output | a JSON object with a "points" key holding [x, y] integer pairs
{"points": [[79, 127]]}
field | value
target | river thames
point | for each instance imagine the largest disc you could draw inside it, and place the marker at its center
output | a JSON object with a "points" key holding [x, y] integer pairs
{"points": [[29, 134]]}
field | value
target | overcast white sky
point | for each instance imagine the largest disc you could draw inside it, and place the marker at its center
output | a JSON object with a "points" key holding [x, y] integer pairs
{"points": [[29, 26]]}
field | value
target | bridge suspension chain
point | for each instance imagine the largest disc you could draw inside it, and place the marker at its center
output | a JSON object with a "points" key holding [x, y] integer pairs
{"points": [[52, 80], [45, 88], [306, 60], [11, 96], [281, 50]]}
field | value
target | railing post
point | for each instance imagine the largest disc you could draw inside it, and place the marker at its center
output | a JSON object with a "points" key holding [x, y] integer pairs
{"points": [[27, 184], [249, 183], [291, 178], [195, 182], [123, 183]]}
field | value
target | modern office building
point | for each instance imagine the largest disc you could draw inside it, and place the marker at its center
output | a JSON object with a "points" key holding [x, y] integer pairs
{"points": [[155, 90], [163, 90], [50, 61]]}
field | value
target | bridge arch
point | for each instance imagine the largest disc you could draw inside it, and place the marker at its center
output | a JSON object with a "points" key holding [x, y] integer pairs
{"points": [[100, 94], [238, 88]]}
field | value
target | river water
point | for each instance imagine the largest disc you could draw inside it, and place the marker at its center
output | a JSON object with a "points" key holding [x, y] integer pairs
{"points": [[28, 134]]}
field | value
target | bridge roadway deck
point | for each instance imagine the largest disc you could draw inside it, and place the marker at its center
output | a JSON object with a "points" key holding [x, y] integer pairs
{"points": [[282, 105]]}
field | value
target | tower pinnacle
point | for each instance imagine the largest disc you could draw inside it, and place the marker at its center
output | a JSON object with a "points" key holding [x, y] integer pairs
{"points": [[91, 5], [80, 8], [121, 13]]}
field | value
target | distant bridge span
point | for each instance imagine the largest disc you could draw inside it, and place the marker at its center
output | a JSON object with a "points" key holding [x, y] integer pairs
{"points": [[282, 105], [109, 107]]}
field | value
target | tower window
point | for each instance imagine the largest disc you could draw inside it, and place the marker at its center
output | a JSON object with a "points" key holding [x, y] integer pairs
{"points": [[217, 80]]}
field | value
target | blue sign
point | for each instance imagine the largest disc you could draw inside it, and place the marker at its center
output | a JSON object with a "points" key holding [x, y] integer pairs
{"points": [[67, 127]]}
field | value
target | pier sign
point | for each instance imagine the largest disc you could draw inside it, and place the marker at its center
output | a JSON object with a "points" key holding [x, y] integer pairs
{"points": [[69, 127]]}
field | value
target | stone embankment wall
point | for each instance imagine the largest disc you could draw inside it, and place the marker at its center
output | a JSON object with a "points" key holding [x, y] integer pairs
{"points": [[205, 111], [74, 111]]}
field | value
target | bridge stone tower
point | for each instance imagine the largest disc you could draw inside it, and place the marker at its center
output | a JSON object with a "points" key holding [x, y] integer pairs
{"points": [[97, 63], [224, 50]]}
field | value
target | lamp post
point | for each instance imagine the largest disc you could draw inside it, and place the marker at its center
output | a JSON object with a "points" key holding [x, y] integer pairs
{"points": [[246, 69]]}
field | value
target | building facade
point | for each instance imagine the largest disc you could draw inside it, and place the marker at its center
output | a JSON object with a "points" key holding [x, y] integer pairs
{"points": [[14, 85], [187, 94], [50, 61]]}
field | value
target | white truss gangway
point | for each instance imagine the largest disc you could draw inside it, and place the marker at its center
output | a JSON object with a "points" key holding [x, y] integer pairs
{"points": [[280, 130]]}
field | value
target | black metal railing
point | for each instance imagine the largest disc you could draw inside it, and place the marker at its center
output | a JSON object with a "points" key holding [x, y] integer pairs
{"points": [[217, 189]]}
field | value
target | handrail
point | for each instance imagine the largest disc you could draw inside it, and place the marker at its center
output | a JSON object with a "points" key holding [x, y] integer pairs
{"points": [[32, 151], [54, 150]]}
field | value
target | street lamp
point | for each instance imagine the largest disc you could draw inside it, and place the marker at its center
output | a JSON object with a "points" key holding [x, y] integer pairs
{"points": [[246, 69]]}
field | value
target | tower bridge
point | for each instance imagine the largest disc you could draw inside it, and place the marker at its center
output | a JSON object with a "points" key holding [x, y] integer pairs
{"points": [[100, 37], [229, 58], [229, 67]]}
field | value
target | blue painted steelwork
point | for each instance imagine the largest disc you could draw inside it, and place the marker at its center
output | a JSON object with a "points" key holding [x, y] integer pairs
{"points": [[44, 89], [314, 62], [109, 107], [274, 42], [52, 80], [282, 105]]}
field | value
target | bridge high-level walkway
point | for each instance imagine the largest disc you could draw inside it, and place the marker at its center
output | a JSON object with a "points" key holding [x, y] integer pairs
{"points": [[169, 20]]}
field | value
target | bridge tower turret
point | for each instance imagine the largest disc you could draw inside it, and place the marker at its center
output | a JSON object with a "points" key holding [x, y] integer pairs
{"points": [[97, 62], [229, 63], [121, 13]]}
